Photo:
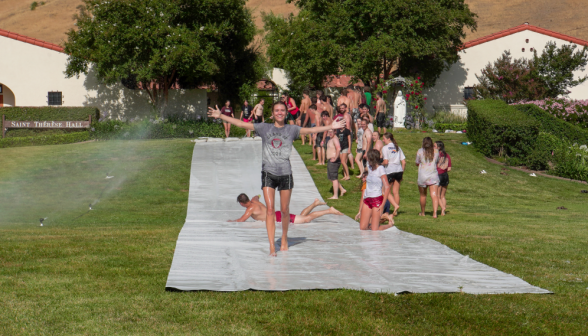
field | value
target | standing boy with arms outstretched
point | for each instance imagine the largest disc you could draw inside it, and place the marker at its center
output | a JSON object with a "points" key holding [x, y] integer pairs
{"points": [[277, 139]]}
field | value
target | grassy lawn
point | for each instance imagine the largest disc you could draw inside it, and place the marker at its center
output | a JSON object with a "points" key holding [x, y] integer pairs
{"points": [[104, 271]]}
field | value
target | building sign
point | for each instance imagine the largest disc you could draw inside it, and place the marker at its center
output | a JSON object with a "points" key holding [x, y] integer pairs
{"points": [[44, 124]]}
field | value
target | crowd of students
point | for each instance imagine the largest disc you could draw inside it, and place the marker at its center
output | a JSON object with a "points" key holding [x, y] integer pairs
{"points": [[381, 162]]}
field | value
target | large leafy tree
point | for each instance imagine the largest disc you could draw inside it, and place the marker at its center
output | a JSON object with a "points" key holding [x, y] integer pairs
{"points": [[154, 44], [556, 66], [366, 38]]}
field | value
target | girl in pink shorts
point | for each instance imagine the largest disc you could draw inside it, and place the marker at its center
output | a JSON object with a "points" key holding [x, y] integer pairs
{"points": [[376, 191]]}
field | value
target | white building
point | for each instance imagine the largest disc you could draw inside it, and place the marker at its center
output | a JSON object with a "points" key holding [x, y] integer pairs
{"points": [[32, 74], [456, 84]]}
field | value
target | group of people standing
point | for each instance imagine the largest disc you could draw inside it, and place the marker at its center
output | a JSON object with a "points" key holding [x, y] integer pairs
{"points": [[248, 115]]}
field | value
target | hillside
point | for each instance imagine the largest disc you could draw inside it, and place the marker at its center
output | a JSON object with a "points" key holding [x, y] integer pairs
{"points": [[51, 21]]}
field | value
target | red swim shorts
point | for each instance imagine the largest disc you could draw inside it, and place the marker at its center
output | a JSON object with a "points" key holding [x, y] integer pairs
{"points": [[247, 120], [279, 217], [372, 202]]}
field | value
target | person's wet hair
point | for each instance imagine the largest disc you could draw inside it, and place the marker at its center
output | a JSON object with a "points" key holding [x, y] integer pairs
{"points": [[373, 157], [379, 94], [325, 114], [312, 107], [242, 198], [429, 149], [279, 103], [390, 137], [441, 149], [306, 91], [313, 100], [363, 106]]}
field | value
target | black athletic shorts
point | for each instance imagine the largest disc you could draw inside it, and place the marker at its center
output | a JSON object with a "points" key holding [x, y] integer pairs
{"points": [[395, 177], [319, 138], [290, 116], [381, 119], [258, 120], [443, 179], [284, 182], [302, 117]]}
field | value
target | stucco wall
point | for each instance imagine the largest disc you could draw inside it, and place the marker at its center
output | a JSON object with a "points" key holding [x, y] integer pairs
{"points": [[30, 72], [450, 85]]}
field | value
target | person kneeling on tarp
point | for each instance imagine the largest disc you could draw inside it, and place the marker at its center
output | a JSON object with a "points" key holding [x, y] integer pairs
{"points": [[258, 211]]}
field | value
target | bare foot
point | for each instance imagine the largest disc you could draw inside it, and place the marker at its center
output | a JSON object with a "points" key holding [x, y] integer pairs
{"points": [[358, 176], [317, 202], [343, 192], [333, 198], [442, 212], [421, 214], [435, 215], [284, 246], [273, 252], [395, 213], [334, 211], [346, 178]]}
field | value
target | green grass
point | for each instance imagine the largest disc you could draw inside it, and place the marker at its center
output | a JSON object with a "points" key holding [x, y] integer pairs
{"points": [[105, 272]]}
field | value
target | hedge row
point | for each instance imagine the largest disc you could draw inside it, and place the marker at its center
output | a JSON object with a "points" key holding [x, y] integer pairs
{"points": [[496, 128], [160, 129], [555, 126], [55, 139], [57, 113]]}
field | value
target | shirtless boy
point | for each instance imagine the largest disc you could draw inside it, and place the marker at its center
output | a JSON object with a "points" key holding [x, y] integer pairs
{"points": [[304, 104], [327, 106], [324, 138], [258, 211], [353, 97], [367, 139], [381, 113], [378, 144], [343, 98], [333, 163], [258, 112]]}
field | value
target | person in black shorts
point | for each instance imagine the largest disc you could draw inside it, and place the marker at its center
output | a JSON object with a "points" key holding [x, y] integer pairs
{"points": [[246, 115], [443, 167], [276, 174]]}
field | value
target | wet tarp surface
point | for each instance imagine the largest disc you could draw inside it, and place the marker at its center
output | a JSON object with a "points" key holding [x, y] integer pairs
{"points": [[213, 254]]}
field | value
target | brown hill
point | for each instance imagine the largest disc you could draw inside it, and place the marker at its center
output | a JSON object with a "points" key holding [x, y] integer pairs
{"points": [[49, 22]]}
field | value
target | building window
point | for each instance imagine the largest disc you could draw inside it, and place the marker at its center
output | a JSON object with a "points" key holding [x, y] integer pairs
{"points": [[468, 93], [55, 98], [0, 88]]}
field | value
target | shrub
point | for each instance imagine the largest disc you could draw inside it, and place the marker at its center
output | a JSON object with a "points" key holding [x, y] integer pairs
{"points": [[571, 161], [55, 139], [496, 128], [572, 111], [553, 125], [159, 129], [50, 113], [543, 153]]}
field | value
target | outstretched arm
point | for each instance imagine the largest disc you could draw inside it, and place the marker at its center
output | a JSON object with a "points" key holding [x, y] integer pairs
{"points": [[216, 113], [334, 125], [245, 216]]}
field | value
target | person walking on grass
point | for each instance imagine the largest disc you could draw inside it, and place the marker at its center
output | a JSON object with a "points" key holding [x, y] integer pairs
{"points": [[376, 191], [293, 110], [303, 120], [344, 136], [277, 139], [394, 161], [428, 178], [443, 167], [325, 121], [247, 115], [381, 113], [333, 163], [228, 111]]}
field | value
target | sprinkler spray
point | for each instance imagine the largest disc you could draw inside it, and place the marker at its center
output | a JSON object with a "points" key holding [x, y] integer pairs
{"points": [[90, 206], [41, 221]]}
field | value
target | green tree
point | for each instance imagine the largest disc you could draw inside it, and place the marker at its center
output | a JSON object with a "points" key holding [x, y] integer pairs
{"points": [[366, 38], [509, 80], [154, 44], [556, 66]]}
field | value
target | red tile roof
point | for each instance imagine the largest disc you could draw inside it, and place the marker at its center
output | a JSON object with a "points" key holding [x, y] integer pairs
{"points": [[521, 28], [30, 40]]}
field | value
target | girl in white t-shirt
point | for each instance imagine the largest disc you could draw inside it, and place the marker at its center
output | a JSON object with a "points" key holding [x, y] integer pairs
{"points": [[428, 178], [376, 191]]}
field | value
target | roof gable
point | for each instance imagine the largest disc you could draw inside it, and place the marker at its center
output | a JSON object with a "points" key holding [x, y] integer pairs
{"points": [[30, 40], [521, 28]]}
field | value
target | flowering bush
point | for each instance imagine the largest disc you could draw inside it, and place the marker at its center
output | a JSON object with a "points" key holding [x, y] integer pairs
{"points": [[572, 111], [415, 100]]}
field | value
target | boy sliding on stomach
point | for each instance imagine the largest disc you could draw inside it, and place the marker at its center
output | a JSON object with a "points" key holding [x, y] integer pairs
{"points": [[276, 173], [258, 211]]}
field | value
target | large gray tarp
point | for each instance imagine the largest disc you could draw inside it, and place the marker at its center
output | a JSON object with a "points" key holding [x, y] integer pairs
{"points": [[330, 253]]}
